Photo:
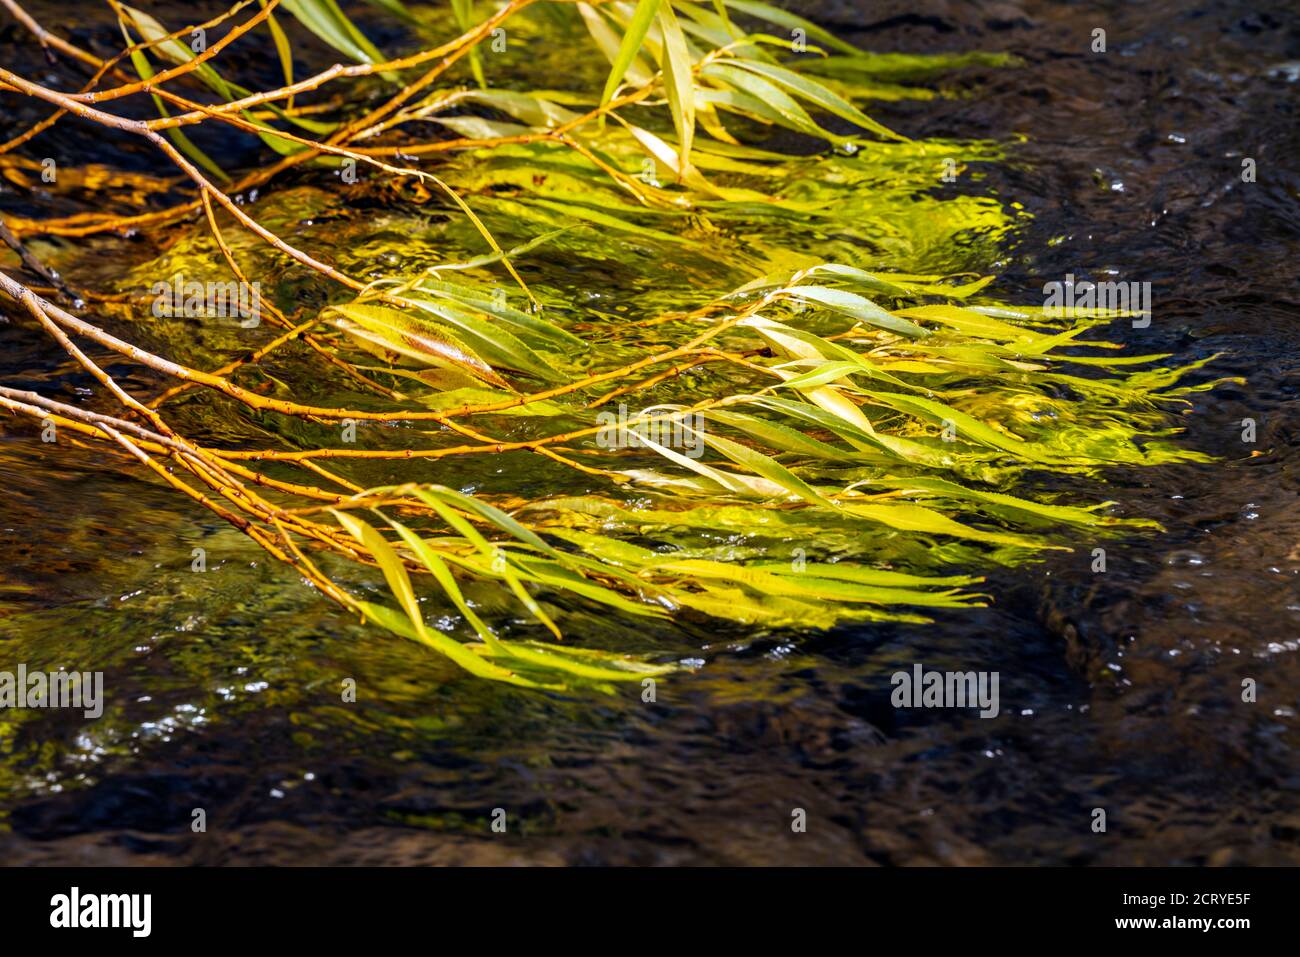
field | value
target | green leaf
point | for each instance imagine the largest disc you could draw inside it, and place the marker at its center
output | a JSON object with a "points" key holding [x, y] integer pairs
{"points": [[282, 48], [463, 10], [768, 468], [393, 331], [815, 93], [327, 21], [396, 8], [784, 18], [769, 96], [609, 41], [777, 435], [859, 307], [634, 36], [175, 134], [400, 585], [496, 306], [498, 564], [493, 343], [442, 574], [679, 83]]}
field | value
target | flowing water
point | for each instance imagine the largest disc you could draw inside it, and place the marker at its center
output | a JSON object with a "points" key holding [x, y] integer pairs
{"points": [[1120, 690]]}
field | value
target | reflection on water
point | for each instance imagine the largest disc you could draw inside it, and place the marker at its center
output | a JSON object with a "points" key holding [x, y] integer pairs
{"points": [[1121, 690]]}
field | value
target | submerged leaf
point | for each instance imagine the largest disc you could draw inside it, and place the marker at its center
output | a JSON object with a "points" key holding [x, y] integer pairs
{"points": [[394, 332]]}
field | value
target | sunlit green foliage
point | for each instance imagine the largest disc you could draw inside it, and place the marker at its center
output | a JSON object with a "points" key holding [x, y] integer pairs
{"points": [[871, 425]]}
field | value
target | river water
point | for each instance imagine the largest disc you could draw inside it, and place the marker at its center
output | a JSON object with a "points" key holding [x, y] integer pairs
{"points": [[1120, 691]]}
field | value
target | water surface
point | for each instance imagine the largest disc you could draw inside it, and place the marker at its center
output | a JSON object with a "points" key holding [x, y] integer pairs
{"points": [[1119, 691]]}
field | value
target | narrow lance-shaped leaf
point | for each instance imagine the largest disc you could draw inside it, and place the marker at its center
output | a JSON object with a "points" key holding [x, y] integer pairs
{"points": [[327, 21], [442, 574], [463, 10], [633, 37], [816, 93], [175, 134], [785, 18], [282, 50], [679, 83], [393, 331], [499, 563], [399, 582]]}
